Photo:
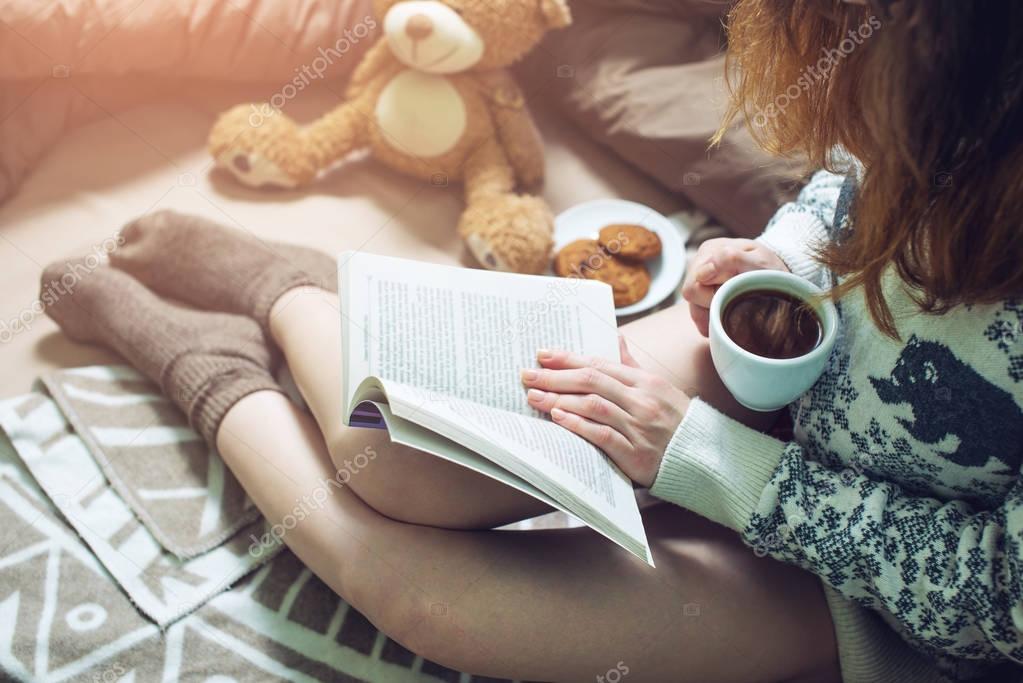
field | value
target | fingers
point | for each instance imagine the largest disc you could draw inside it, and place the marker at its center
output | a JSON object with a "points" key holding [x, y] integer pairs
{"points": [[591, 406], [701, 318], [602, 436], [702, 276], [698, 294], [719, 260], [584, 380], [565, 360]]}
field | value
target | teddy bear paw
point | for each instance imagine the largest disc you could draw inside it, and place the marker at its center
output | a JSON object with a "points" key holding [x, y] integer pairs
{"points": [[509, 232], [261, 147], [253, 169]]}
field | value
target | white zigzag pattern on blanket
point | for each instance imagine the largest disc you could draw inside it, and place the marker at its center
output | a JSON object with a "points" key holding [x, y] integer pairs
{"points": [[163, 586]]}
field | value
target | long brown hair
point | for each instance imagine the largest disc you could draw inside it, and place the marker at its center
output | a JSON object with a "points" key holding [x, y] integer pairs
{"points": [[928, 95]]}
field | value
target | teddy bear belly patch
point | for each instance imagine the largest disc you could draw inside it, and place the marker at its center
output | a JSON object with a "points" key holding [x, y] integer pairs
{"points": [[421, 114]]}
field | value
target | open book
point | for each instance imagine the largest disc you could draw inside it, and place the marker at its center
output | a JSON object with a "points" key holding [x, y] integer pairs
{"points": [[433, 354]]}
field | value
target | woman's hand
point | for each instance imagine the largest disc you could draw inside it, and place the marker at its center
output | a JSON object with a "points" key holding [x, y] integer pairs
{"points": [[715, 262], [627, 412]]}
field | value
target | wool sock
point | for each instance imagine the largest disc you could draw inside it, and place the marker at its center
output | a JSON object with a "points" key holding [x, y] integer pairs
{"points": [[210, 266], [319, 266], [204, 362]]}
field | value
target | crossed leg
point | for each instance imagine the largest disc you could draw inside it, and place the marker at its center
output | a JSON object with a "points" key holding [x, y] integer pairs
{"points": [[551, 605], [398, 544], [403, 483]]}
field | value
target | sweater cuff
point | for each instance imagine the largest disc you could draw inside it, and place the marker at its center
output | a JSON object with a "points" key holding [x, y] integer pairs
{"points": [[716, 466], [793, 238]]}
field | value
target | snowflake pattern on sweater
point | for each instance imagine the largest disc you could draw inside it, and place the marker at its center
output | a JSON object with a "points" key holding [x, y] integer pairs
{"points": [[902, 488]]}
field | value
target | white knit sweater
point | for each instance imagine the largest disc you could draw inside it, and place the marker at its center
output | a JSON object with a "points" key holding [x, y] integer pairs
{"points": [[902, 488]]}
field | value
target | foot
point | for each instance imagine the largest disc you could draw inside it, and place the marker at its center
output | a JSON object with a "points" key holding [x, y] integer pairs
{"points": [[512, 233], [204, 362], [213, 267]]}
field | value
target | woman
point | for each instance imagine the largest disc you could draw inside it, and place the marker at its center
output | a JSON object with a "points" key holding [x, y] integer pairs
{"points": [[893, 517]]}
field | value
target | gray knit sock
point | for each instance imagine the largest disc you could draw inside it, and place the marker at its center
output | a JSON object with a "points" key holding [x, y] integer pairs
{"points": [[214, 267], [204, 362]]}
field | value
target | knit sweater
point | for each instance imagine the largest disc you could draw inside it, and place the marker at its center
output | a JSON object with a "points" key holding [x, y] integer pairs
{"points": [[901, 489]]}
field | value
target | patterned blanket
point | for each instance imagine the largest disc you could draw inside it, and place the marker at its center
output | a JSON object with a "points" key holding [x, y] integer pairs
{"points": [[125, 555], [179, 489]]}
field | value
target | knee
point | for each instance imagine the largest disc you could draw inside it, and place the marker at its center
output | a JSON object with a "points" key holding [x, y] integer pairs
{"points": [[407, 614], [428, 627]]}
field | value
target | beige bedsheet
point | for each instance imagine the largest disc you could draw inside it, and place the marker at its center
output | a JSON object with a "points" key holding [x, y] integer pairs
{"points": [[105, 173]]}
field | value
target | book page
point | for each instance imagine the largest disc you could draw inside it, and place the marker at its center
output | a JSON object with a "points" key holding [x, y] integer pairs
{"points": [[564, 466], [462, 332], [447, 345], [410, 434]]}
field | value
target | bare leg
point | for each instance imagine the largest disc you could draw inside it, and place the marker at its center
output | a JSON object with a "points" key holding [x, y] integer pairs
{"points": [[410, 486], [399, 482], [551, 605], [402, 484]]}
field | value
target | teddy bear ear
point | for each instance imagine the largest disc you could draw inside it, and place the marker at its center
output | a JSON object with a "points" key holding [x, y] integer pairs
{"points": [[556, 13]]}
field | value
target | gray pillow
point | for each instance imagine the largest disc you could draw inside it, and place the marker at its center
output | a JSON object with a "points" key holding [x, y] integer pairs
{"points": [[646, 78]]}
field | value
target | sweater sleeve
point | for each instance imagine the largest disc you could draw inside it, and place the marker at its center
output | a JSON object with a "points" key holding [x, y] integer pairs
{"points": [[799, 227], [949, 574]]}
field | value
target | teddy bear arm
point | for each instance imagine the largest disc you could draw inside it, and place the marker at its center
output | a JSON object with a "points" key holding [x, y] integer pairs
{"points": [[337, 133], [488, 172], [522, 144], [377, 62], [515, 127]]}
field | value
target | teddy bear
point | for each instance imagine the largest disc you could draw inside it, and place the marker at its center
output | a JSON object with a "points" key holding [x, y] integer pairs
{"points": [[433, 98]]}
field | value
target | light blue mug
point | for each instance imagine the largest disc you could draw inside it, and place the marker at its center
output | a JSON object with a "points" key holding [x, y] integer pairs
{"points": [[758, 382]]}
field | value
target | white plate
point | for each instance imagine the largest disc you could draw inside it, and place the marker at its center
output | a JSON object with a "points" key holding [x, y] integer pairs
{"points": [[584, 221]]}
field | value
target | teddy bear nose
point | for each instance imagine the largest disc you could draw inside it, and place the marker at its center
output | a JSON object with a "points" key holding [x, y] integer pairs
{"points": [[419, 26]]}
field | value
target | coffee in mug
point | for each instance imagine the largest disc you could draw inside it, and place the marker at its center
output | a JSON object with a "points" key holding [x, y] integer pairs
{"points": [[771, 333], [772, 324]]}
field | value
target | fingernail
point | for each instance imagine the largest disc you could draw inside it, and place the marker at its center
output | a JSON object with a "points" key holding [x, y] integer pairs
{"points": [[705, 271], [557, 414], [529, 375], [544, 354], [534, 396]]}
